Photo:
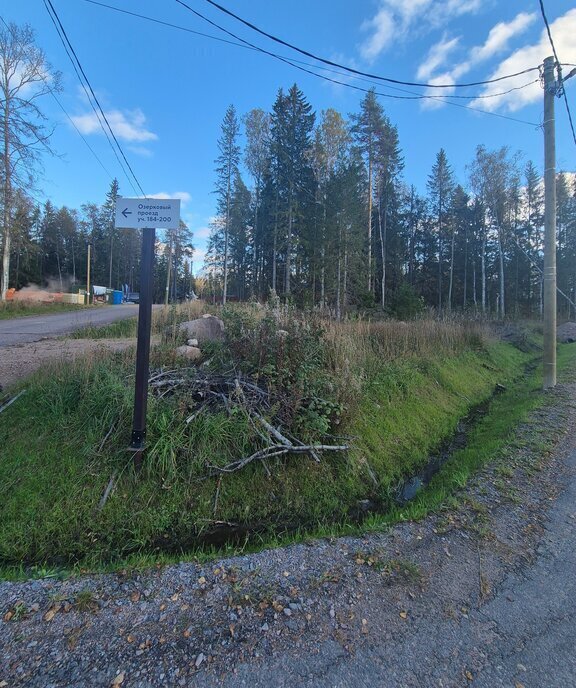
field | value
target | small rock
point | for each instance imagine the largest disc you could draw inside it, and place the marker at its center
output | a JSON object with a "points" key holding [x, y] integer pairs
{"points": [[287, 611], [192, 342], [264, 627], [201, 657], [192, 353]]}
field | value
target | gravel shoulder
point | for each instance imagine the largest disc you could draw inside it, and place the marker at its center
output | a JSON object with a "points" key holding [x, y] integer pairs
{"points": [[17, 362], [479, 594]]}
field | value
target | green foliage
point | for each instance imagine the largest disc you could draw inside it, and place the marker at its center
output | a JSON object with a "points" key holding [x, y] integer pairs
{"points": [[327, 378], [18, 309], [405, 303]]}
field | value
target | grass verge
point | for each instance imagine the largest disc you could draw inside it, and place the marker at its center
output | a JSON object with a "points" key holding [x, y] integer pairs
{"points": [[20, 309], [402, 390]]}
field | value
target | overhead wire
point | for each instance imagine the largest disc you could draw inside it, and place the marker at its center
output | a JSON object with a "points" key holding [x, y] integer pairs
{"points": [[247, 46], [357, 71], [242, 43], [66, 41], [88, 98], [442, 99], [558, 68]]}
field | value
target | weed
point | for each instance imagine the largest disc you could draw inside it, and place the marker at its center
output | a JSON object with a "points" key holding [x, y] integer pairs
{"points": [[399, 571], [85, 601], [20, 611]]}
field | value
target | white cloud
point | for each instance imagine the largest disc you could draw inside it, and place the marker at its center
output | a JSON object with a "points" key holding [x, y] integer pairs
{"points": [[202, 233], [398, 19], [497, 41], [436, 57], [500, 35], [383, 28], [127, 126], [141, 150], [184, 196], [563, 31]]}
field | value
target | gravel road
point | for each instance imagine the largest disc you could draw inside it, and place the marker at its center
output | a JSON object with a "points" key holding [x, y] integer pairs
{"points": [[482, 594], [32, 328]]}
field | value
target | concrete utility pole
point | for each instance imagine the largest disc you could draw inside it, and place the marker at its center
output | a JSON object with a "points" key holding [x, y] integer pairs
{"points": [[550, 90], [88, 275]]}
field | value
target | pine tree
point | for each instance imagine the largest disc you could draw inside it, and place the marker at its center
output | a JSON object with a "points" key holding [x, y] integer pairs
{"points": [[257, 160], [108, 220], [367, 127], [440, 187], [388, 166], [227, 167]]}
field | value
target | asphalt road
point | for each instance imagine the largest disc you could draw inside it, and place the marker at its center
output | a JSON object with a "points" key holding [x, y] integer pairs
{"points": [[34, 328]]}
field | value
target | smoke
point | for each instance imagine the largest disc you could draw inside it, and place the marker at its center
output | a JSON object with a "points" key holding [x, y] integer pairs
{"points": [[53, 290]]}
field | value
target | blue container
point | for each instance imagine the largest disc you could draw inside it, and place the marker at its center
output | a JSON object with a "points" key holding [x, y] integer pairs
{"points": [[116, 298]]}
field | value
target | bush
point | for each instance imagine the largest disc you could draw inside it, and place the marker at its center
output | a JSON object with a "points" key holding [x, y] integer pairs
{"points": [[405, 304]]}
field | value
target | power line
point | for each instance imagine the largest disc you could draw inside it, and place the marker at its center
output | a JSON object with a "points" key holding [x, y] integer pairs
{"points": [[247, 46], [292, 60], [353, 86], [80, 134], [67, 41], [558, 69], [89, 99], [356, 71], [242, 43]]}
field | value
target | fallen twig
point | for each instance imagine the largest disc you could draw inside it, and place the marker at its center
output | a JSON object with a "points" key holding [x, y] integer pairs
{"points": [[11, 401], [107, 492], [276, 450], [272, 430], [112, 428]]}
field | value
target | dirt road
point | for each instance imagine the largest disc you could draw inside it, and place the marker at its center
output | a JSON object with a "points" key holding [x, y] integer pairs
{"points": [[482, 594], [36, 327]]}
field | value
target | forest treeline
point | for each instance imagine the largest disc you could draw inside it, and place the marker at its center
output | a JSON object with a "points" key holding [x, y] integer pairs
{"points": [[319, 208], [328, 217]]}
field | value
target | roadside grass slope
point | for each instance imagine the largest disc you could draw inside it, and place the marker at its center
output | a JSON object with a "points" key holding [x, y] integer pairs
{"points": [[19, 309], [397, 390]]}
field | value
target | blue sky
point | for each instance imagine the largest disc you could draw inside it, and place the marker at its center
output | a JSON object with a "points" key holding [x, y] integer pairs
{"points": [[165, 91]]}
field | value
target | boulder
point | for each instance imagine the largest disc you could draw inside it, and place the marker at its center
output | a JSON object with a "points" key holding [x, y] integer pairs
{"points": [[567, 332], [208, 328], [192, 353]]}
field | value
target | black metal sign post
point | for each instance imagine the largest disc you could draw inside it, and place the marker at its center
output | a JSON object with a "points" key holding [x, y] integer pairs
{"points": [[141, 213], [143, 346]]}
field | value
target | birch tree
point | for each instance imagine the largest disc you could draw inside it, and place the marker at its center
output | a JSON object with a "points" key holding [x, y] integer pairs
{"points": [[25, 77]]}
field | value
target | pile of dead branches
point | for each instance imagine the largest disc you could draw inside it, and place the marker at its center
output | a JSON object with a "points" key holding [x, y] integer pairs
{"points": [[206, 392]]}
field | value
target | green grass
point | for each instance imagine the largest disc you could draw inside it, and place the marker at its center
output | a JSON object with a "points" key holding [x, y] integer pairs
{"points": [[52, 478], [20, 309], [115, 330]]}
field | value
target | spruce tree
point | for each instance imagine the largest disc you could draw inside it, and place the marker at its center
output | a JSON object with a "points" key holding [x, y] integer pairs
{"points": [[227, 167]]}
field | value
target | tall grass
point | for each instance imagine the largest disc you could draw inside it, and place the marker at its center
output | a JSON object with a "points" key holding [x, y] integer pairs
{"points": [[396, 389]]}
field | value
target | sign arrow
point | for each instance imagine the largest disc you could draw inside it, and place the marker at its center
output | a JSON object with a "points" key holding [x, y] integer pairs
{"points": [[126, 212]]}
